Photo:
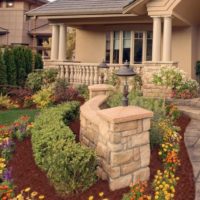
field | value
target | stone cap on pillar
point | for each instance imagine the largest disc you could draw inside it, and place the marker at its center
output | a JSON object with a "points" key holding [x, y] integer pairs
{"points": [[124, 114], [99, 89]]}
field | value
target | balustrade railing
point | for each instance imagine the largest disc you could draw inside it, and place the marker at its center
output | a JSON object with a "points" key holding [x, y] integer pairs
{"points": [[86, 73]]}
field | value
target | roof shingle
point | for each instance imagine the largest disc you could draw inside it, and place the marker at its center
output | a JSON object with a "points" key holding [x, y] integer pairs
{"points": [[73, 7]]}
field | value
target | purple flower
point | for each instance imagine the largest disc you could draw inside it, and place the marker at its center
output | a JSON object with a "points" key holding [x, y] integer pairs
{"points": [[7, 175]]}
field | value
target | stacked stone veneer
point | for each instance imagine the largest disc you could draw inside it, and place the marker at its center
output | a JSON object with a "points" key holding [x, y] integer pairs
{"points": [[148, 88], [120, 137]]}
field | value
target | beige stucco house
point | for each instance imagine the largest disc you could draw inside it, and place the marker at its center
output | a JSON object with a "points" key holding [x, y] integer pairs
{"points": [[147, 33], [16, 30]]}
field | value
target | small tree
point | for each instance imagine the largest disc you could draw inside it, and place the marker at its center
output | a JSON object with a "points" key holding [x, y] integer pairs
{"points": [[169, 78], [20, 64], [38, 61], [3, 72], [10, 65]]}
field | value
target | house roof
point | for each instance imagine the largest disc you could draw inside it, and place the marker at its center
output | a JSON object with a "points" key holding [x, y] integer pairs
{"points": [[81, 7], [3, 31]]}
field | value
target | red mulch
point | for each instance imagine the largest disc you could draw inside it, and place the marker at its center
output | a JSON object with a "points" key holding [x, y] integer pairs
{"points": [[26, 174]]}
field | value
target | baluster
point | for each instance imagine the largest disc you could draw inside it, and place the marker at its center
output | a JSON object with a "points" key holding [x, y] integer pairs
{"points": [[91, 75], [75, 74], [71, 74], [79, 74], [86, 75], [96, 75], [64, 72], [67, 73], [59, 71], [77, 77], [83, 74]]}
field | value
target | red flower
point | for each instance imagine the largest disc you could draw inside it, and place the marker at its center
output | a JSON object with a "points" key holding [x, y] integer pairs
{"points": [[24, 118]]}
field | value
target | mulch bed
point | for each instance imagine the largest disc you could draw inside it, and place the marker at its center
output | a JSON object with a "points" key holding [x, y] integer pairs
{"points": [[26, 174]]}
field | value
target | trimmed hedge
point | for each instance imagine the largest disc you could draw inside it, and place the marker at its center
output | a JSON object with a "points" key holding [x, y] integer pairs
{"points": [[69, 166]]}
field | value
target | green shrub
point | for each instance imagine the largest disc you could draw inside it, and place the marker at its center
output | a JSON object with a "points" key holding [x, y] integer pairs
{"points": [[38, 61], [69, 166], [44, 78], [3, 71], [73, 167], [43, 98], [49, 76], [83, 91], [10, 65], [35, 81]]}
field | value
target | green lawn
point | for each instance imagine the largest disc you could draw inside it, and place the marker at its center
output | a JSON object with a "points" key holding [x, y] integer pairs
{"points": [[8, 116]]}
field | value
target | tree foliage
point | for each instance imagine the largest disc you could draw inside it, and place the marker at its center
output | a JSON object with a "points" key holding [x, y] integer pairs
{"points": [[3, 72]]}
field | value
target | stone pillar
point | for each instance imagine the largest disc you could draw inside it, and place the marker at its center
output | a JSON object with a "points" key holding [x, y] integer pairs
{"points": [[120, 137], [62, 43], [100, 89], [156, 39], [167, 39], [55, 41]]}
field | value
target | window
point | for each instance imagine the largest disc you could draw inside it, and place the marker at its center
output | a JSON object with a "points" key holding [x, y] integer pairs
{"points": [[9, 3], [108, 47], [126, 46], [116, 47], [141, 51], [138, 47], [149, 45]]}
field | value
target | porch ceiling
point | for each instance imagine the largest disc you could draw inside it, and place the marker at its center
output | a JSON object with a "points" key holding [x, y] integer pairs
{"points": [[188, 12]]}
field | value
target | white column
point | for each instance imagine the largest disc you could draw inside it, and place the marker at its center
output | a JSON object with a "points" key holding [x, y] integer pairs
{"points": [[62, 43], [55, 41], [156, 39], [167, 39]]}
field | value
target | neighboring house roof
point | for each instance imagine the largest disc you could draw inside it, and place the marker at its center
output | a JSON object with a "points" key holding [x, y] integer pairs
{"points": [[3, 31], [41, 30], [74, 7]]}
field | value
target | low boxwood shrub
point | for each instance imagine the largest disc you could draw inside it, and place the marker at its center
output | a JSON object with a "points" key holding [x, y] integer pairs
{"points": [[69, 166]]}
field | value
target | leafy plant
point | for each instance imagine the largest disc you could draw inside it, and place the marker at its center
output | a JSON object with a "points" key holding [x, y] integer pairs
{"points": [[69, 166], [34, 81], [63, 92], [49, 76], [20, 94], [5, 102], [137, 192], [189, 88], [83, 91], [43, 98]]}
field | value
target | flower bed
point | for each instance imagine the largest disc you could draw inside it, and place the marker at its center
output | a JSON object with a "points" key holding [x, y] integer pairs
{"points": [[25, 173], [19, 130]]}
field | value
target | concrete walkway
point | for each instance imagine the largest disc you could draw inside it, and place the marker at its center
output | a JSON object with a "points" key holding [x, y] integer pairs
{"points": [[192, 142]]}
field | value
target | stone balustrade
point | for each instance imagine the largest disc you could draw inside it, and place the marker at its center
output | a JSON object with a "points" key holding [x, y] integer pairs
{"points": [[84, 73], [120, 137]]}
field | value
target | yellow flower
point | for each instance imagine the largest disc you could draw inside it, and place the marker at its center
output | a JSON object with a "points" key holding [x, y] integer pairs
{"points": [[101, 194], [41, 197], [33, 194], [27, 189], [91, 198]]}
